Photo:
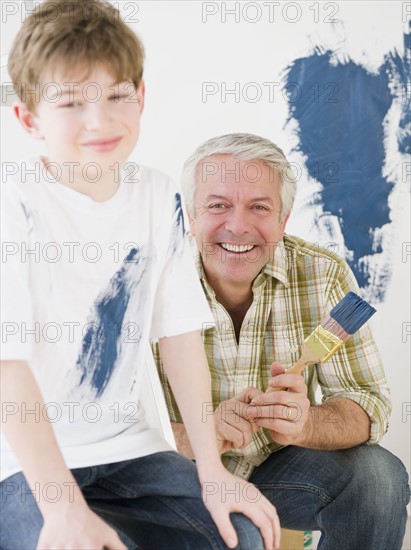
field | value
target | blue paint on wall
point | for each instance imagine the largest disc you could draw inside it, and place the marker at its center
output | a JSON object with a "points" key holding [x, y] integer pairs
{"points": [[340, 110], [402, 67], [101, 343]]}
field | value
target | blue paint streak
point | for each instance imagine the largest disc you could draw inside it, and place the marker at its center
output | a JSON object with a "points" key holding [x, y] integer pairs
{"points": [[403, 68], [27, 213], [98, 356], [340, 113], [178, 232], [179, 212]]}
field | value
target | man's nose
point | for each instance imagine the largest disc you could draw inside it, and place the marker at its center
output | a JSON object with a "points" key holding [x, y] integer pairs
{"points": [[237, 221]]}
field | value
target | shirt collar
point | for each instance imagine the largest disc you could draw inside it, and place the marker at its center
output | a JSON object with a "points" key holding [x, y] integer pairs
{"points": [[278, 267]]}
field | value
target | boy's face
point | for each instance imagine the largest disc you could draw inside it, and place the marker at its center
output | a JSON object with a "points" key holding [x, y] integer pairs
{"points": [[85, 120]]}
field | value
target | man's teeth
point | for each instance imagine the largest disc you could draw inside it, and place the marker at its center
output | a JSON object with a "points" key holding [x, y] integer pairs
{"points": [[237, 247]]}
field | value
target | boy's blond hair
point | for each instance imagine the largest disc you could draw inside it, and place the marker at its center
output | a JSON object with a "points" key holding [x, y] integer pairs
{"points": [[64, 35]]}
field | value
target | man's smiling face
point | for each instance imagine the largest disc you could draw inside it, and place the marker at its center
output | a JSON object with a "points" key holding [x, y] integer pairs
{"points": [[236, 221]]}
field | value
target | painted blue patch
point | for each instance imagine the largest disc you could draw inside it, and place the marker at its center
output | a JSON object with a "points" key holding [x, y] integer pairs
{"points": [[99, 353], [402, 66], [340, 114]]}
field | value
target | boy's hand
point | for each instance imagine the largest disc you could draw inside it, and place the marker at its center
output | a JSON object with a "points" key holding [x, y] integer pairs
{"points": [[77, 528], [224, 493]]}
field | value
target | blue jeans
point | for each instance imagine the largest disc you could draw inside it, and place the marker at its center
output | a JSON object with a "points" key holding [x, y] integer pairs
{"points": [[153, 502], [356, 497]]}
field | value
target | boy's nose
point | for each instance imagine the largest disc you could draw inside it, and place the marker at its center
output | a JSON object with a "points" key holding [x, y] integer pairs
{"points": [[97, 116]]}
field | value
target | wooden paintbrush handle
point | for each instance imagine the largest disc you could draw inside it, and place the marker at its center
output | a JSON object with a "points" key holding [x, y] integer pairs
{"points": [[307, 358], [298, 367]]}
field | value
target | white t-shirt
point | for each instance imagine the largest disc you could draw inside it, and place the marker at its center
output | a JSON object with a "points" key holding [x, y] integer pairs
{"points": [[85, 286]]}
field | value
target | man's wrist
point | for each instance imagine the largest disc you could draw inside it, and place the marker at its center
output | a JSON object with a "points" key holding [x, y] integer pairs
{"points": [[304, 438]]}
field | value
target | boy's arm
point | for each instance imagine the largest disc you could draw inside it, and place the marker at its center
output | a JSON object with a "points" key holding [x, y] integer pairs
{"points": [[68, 522], [186, 366]]}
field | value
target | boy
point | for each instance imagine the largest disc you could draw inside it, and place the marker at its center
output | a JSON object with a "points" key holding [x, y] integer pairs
{"points": [[93, 269]]}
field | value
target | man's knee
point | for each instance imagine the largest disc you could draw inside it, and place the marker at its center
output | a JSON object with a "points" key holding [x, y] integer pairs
{"points": [[249, 536], [380, 476]]}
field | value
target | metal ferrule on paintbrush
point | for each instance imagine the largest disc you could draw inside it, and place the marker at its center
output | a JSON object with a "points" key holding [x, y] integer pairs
{"points": [[334, 330], [323, 343]]}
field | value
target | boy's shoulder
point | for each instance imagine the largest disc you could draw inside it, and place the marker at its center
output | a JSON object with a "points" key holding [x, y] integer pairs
{"points": [[147, 175], [32, 200], [29, 179]]}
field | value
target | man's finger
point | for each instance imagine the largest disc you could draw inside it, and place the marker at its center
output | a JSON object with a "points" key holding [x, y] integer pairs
{"points": [[241, 412], [291, 412], [293, 381], [248, 394], [281, 397], [232, 435], [276, 368]]}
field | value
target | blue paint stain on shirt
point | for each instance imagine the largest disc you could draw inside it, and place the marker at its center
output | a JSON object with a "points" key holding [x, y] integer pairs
{"points": [[101, 342], [179, 212], [26, 211], [340, 112], [178, 232], [28, 215]]}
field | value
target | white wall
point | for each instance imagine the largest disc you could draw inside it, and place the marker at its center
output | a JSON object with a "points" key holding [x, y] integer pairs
{"points": [[186, 49]]}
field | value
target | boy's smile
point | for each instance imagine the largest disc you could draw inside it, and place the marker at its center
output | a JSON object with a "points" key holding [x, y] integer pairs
{"points": [[90, 124], [103, 145]]}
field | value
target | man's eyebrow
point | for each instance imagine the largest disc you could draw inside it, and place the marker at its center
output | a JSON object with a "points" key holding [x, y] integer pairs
{"points": [[218, 197], [253, 199], [262, 199]]}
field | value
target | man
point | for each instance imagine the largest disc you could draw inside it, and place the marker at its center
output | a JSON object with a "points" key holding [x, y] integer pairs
{"points": [[320, 465]]}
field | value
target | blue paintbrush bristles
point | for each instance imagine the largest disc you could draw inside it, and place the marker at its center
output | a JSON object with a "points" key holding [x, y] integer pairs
{"points": [[352, 312]]}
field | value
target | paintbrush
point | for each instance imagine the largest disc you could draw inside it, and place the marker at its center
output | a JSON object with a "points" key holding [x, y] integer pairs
{"points": [[334, 330]]}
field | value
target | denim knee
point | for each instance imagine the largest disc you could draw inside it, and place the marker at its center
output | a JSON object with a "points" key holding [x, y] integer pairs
{"points": [[249, 536], [380, 477]]}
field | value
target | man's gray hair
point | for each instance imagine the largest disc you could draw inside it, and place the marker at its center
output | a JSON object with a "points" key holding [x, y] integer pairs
{"points": [[245, 147]]}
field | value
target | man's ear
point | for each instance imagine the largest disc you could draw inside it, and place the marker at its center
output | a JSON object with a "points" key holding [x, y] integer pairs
{"points": [[141, 92], [27, 119], [191, 222]]}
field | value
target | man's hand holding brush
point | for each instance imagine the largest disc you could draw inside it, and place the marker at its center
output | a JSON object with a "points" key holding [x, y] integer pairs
{"points": [[338, 423], [284, 412], [314, 427]]}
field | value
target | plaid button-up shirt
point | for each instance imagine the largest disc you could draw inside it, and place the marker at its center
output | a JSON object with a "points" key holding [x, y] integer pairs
{"points": [[290, 297]]}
